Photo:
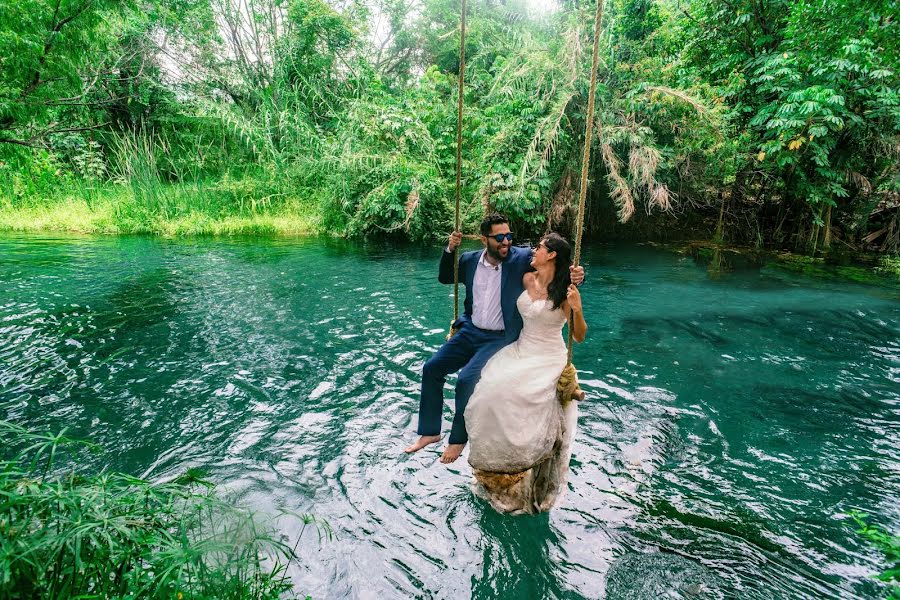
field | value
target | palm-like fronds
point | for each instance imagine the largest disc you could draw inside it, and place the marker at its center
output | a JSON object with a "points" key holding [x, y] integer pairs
{"points": [[620, 191]]}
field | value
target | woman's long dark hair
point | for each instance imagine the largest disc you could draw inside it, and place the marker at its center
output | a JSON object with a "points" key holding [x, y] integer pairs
{"points": [[559, 287]]}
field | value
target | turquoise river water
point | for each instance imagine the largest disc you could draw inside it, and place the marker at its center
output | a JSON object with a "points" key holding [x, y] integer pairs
{"points": [[730, 422]]}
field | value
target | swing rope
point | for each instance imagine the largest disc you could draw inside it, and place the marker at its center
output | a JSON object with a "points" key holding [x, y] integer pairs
{"points": [[459, 124], [567, 386]]}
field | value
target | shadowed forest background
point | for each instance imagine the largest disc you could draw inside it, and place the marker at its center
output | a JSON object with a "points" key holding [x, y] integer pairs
{"points": [[770, 123]]}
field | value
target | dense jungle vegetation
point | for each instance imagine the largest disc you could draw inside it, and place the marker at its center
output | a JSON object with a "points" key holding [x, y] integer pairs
{"points": [[774, 123]]}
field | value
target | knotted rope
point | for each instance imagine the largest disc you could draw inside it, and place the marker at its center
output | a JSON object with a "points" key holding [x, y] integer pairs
{"points": [[567, 387]]}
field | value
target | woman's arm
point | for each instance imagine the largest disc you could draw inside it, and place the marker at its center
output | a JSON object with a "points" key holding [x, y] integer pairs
{"points": [[574, 314]]}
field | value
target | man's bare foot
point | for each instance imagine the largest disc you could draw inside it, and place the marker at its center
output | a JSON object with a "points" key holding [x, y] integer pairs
{"points": [[451, 453], [422, 442]]}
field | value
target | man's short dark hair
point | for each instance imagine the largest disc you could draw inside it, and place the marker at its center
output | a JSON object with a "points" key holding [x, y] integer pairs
{"points": [[492, 219]]}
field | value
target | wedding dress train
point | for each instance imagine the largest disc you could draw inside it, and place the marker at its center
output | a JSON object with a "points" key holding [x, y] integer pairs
{"points": [[520, 435]]}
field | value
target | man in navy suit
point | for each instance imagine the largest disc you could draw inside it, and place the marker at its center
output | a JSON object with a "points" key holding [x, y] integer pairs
{"points": [[493, 280]]}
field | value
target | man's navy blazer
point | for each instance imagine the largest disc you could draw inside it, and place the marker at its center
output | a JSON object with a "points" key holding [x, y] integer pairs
{"points": [[517, 263]]}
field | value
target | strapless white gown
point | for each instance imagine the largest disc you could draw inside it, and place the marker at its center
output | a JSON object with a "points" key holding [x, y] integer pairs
{"points": [[515, 423]]}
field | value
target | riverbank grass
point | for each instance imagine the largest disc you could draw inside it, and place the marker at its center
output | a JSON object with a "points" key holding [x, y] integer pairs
{"points": [[224, 208]]}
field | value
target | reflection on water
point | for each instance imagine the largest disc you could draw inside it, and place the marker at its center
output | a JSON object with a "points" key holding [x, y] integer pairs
{"points": [[731, 420]]}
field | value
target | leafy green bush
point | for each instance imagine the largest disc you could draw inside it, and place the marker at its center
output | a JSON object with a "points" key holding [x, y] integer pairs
{"points": [[113, 535], [887, 543], [29, 175], [889, 265]]}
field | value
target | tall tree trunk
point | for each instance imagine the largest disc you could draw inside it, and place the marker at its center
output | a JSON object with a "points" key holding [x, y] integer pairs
{"points": [[719, 236], [738, 192], [826, 242], [813, 243], [780, 218], [891, 239]]}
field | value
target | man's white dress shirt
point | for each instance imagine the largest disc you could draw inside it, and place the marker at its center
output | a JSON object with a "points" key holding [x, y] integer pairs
{"points": [[486, 310]]}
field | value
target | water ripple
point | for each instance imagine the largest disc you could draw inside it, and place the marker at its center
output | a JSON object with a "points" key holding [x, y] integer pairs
{"points": [[730, 423]]}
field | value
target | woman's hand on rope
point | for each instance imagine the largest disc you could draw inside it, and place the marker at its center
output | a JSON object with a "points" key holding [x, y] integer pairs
{"points": [[574, 298], [454, 241], [576, 274]]}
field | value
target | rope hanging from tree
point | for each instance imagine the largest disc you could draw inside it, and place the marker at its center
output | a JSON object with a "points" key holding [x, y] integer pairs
{"points": [[567, 387], [459, 121]]}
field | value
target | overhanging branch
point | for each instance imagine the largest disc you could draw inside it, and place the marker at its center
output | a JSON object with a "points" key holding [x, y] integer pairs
{"points": [[39, 140]]}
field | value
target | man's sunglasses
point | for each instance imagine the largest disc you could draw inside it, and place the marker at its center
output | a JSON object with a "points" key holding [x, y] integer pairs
{"points": [[502, 236]]}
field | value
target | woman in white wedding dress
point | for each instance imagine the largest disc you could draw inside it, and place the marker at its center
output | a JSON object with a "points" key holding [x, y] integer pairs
{"points": [[520, 435]]}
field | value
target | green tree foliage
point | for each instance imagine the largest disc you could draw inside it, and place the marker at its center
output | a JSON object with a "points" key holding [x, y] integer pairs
{"points": [[813, 98], [760, 121], [48, 49], [80, 65]]}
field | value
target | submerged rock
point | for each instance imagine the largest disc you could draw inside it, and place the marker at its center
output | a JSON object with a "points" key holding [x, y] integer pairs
{"points": [[660, 575]]}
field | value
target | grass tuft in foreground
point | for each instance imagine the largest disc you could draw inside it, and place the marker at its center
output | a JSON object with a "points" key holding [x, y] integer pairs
{"points": [[888, 544], [113, 535]]}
